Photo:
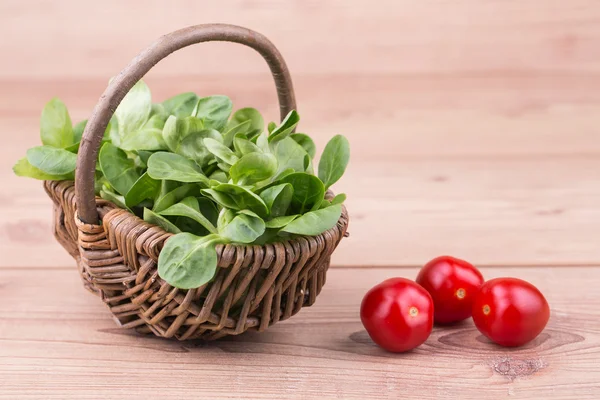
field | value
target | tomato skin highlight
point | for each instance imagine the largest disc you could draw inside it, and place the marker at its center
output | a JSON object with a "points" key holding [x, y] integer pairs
{"points": [[397, 314], [452, 284], [510, 311]]}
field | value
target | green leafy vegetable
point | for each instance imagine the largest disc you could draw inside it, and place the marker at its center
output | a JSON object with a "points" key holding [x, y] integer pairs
{"points": [[253, 167], [285, 128], [117, 199], [189, 208], [244, 146], [245, 227], [334, 160], [181, 105], [280, 222], [51, 160], [308, 191], [163, 165], [278, 199], [236, 198], [176, 129], [290, 155], [118, 169], [220, 151], [252, 119], [339, 199], [144, 188], [174, 196], [191, 167], [161, 221], [214, 111], [193, 147], [56, 128], [188, 261], [134, 111], [306, 142], [315, 222], [78, 130], [24, 168]]}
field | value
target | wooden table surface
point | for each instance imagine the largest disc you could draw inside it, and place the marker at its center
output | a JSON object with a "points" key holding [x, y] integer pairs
{"points": [[475, 131]]}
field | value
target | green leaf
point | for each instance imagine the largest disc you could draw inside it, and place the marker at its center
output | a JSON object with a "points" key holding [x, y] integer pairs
{"points": [[245, 227], [208, 208], [214, 111], [339, 199], [189, 208], [220, 151], [51, 160], [262, 142], [176, 195], [306, 142], [253, 167], [166, 186], [280, 222], [271, 127], [134, 110], [144, 188], [334, 160], [78, 131], [308, 191], [193, 146], [163, 165], [225, 217], [290, 155], [230, 134], [219, 176], [149, 137], [176, 129], [24, 168], [188, 261], [181, 105], [315, 222], [119, 170], [236, 198], [144, 156], [224, 167], [56, 128], [113, 197], [285, 128], [278, 198], [256, 125], [244, 146], [158, 220]]}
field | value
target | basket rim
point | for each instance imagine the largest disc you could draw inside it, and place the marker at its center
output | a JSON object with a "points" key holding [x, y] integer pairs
{"points": [[104, 207]]}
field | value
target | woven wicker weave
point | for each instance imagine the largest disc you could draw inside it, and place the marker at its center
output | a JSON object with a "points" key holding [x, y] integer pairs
{"points": [[117, 252]]}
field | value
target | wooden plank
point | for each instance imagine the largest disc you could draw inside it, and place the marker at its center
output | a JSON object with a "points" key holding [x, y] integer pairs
{"points": [[332, 37], [57, 341], [498, 212]]}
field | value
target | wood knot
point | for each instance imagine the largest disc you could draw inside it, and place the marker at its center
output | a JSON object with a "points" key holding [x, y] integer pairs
{"points": [[513, 368]]}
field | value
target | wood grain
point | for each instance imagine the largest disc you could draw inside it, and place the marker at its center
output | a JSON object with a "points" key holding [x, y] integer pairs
{"points": [[474, 129], [524, 192], [57, 341], [473, 124]]}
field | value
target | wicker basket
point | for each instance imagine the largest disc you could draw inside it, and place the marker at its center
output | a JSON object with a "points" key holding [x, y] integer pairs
{"points": [[117, 252]]}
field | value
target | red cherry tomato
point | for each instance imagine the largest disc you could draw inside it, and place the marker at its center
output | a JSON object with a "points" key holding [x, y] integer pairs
{"points": [[397, 314], [510, 311], [452, 283]]}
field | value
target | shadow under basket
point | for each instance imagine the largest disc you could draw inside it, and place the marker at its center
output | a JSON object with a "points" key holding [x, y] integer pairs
{"points": [[254, 287]]}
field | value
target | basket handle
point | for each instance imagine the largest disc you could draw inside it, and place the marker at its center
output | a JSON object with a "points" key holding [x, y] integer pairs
{"points": [[138, 67]]}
